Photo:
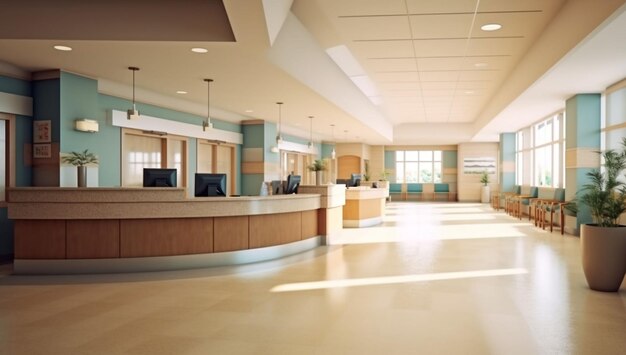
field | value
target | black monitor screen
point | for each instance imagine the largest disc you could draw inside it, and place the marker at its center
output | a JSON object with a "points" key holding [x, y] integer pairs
{"points": [[153, 177], [355, 179], [210, 185], [293, 181]]}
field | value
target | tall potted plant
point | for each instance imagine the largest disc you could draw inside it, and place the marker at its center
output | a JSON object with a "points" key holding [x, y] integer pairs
{"points": [[317, 166], [604, 241], [80, 160], [484, 190]]}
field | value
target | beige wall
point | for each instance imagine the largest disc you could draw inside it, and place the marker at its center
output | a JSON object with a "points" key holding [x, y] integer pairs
{"points": [[468, 185], [377, 161]]}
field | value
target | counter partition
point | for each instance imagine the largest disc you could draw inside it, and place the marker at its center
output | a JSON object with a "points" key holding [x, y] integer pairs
{"points": [[98, 230]]}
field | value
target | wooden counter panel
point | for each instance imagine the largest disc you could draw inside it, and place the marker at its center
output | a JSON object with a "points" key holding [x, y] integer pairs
{"points": [[39, 239], [362, 209], [93, 239], [275, 229], [230, 233], [162, 237], [309, 224]]}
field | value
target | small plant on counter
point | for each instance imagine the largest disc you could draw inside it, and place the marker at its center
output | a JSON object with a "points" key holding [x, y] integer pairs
{"points": [[317, 165], [80, 158]]}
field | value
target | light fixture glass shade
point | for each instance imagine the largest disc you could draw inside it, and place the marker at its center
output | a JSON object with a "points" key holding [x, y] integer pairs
{"points": [[333, 154], [85, 125], [133, 113]]}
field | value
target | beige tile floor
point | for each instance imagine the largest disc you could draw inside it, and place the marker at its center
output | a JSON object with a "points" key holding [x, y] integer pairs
{"points": [[441, 278]]}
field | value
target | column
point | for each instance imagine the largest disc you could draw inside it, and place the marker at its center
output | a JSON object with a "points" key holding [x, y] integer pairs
{"points": [[507, 161], [582, 143]]}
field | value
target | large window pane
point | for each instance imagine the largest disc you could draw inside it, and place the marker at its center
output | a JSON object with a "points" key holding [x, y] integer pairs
{"points": [[411, 155], [437, 173], [175, 151], [400, 172], [140, 152], [426, 155], [437, 155], [426, 172], [411, 172], [400, 155], [556, 165]]}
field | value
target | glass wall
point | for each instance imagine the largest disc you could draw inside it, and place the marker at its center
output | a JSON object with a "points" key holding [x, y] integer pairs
{"points": [[418, 166]]}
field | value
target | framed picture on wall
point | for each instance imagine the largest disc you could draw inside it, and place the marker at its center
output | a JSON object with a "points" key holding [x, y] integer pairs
{"points": [[42, 150], [479, 165], [41, 131]]}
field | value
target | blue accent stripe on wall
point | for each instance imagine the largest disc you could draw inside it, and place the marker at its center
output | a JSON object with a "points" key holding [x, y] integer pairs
{"points": [[15, 86], [390, 159], [449, 159]]}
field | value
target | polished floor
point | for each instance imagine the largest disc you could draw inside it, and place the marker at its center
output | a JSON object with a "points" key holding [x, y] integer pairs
{"points": [[445, 278]]}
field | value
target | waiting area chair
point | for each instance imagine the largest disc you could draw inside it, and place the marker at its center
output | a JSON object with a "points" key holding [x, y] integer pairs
{"points": [[414, 189]]}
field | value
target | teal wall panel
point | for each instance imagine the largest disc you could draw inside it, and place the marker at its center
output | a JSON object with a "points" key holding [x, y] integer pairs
{"points": [[23, 136], [327, 150], [507, 181], [507, 147], [253, 136], [15, 86], [390, 159], [251, 184], [449, 159], [47, 104], [269, 141]]}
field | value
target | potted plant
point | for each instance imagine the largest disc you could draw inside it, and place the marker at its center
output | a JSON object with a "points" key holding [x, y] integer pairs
{"points": [[366, 176], [317, 166], [484, 191], [604, 241], [81, 160]]}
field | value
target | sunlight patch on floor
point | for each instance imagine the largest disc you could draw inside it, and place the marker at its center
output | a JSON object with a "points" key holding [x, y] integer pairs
{"points": [[387, 280]]}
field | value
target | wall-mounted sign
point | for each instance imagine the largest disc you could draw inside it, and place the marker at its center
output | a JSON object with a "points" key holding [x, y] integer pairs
{"points": [[479, 165], [41, 132], [42, 150]]}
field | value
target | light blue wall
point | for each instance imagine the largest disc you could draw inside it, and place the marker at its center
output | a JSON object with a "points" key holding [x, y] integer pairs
{"points": [[449, 159], [507, 156], [15, 86], [327, 150], [47, 104]]}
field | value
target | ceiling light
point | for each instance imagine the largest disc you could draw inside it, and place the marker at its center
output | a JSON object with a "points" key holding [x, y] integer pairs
{"points": [[63, 48], [480, 65], [469, 92], [207, 124], [491, 27], [199, 50], [279, 138], [133, 113], [182, 92], [249, 111]]}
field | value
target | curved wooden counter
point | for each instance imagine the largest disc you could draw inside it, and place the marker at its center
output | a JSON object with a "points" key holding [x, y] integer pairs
{"points": [[108, 230], [365, 207]]}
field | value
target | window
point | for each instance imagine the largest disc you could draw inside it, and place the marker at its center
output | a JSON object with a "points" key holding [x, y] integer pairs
{"points": [[217, 159], [519, 158], [615, 117], [144, 150], [418, 166], [543, 155]]}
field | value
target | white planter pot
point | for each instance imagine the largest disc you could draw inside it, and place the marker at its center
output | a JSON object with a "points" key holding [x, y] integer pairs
{"points": [[484, 194]]}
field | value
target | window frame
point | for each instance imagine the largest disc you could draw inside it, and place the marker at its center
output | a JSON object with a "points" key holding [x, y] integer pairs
{"points": [[9, 157], [419, 153]]}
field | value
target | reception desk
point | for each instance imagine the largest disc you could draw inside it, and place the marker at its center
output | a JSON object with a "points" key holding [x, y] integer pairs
{"points": [[95, 230], [365, 207]]}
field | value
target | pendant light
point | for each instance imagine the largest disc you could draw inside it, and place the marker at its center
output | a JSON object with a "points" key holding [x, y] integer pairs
{"points": [[279, 138], [311, 145], [333, 154], [133, 113], [207, 123]]}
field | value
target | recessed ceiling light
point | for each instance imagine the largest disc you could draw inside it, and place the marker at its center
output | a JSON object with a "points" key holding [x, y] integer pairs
{"points": [[469, 92], [199, 50], [182, 92], [491, 27], [480, 65], [249, 111], [63, 48]]}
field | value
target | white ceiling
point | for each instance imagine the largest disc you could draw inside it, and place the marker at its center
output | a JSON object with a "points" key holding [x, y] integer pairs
{"points": [[439, 78]]}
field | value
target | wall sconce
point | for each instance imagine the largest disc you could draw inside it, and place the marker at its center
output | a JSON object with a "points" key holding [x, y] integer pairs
{"points": [[85, 125]]}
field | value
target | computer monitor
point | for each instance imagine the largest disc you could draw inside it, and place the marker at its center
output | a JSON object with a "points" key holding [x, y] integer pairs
{"points": [[343, 181], [355, 179], [154, 177], [293, 181], [210, 185], [277, 187]]}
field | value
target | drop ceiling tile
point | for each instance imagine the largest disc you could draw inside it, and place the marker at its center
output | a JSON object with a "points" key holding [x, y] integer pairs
{"points": [[399, 64], [375, 28], [439, 6], [367, 7], [388, 48], [441, 26], [439, 48]]}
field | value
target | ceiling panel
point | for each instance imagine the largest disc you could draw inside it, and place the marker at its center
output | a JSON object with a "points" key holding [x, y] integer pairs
{"points": [[398, 64], [375, 28], [429, 26]]}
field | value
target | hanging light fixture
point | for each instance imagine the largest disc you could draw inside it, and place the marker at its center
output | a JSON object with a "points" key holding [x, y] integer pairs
{"points": [[279, 138], [207, 123], [133, 113], [333, 154], [311, 145]]}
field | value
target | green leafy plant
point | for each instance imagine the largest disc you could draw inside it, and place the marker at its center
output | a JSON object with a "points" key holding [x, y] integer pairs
{"points": [[317, 165], [367, 175], [605, 194], [484, 178], [384, 175], [80, 158]]}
